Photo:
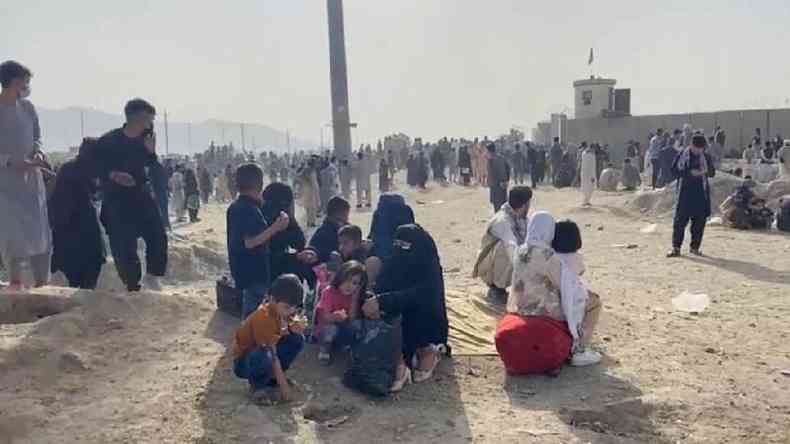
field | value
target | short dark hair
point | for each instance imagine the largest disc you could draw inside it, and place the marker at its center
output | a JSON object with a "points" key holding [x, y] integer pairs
{"points": [[519, 196], [627, 160], [567, 237], [137, 106], [287, 289], [11, 70], [698, 140], [491, 148], [337, 205], [249, 177], [351, 231], [347, 271], [556, 139]]}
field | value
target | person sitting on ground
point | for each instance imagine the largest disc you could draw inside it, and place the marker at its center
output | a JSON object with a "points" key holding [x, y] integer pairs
{"points": [[411, 286], [631, 179], [551, 314], [79, 249], [288, 254], [249, 237], [324, 240], [339, 304], [504, 233], [610, 177], [268, 341], [391, 212], [352, 247], [566, 245]]}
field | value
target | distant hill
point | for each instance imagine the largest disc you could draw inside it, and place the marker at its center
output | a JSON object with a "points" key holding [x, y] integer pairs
{"points": [[61, 130]]}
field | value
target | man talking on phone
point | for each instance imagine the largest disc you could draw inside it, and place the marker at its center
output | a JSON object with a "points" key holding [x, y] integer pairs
{"points": [[129, 211]]}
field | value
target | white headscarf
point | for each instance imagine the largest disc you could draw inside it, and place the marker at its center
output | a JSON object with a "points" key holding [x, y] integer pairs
{"points": [[573, 291], [540, 231]]}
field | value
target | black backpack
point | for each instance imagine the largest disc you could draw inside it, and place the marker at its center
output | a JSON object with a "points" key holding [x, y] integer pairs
{"points": [[372, 369]]}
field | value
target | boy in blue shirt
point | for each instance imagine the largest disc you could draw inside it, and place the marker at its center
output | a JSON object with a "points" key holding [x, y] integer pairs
{"points": [[249, 234]]}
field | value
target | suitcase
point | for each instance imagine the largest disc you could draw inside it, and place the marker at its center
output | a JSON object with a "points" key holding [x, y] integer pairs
{"points": [[228, 298]]}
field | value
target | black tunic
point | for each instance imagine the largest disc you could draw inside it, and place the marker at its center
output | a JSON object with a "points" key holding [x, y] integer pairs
{"points": [[693, 193]]}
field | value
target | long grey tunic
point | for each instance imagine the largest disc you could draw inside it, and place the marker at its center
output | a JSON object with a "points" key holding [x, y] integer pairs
{"points": [[24, 226]]}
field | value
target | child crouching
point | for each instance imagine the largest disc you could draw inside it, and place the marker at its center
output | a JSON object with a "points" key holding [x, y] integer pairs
{"points": [[266, 345], [339, 304]]}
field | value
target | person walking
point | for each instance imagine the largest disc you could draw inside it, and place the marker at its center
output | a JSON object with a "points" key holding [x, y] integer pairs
{"points": [[128, 211], [25, 235], [693, 167], [555, 156]]}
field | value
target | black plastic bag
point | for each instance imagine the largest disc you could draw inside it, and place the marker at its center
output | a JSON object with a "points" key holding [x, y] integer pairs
{"points": [[372, 369]]}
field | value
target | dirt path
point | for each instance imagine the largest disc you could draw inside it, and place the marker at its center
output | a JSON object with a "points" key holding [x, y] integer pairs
{"points": [[154, 368]]}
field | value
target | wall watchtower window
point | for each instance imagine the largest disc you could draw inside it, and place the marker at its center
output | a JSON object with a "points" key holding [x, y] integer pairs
{"points": [[587, 97]]}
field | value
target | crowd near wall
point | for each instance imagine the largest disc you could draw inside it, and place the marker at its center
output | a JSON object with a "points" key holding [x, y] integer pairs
{"points": [[739, 126]]}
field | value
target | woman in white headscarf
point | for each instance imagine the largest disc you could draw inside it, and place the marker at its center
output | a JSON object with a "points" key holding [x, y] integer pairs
{"points": [[544, 285]]}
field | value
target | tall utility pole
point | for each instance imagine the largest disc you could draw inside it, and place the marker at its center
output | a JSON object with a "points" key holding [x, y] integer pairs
{"points": [[341, 122], [189, 136], [167, 136], [82, 124]]}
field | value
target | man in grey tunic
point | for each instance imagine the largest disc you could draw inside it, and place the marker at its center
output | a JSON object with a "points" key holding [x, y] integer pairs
{"points": [[25, 236]]}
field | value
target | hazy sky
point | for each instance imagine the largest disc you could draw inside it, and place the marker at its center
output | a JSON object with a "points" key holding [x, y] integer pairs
{"points": [[426, 67]]}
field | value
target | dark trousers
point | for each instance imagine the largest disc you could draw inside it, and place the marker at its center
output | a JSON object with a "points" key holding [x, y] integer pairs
{"points": [[656, 171], [125, 223], [252, 297], [257, 365], [164, 209], [335, 335], [682, 219], [86, 277], [498, 196]]}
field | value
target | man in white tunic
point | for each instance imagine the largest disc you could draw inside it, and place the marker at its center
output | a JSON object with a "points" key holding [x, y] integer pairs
{"points": [[588, 180], [25, 236], [784, 160]]}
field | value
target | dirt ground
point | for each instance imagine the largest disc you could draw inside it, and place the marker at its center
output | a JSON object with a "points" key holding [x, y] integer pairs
{"points": [[107, 366]]}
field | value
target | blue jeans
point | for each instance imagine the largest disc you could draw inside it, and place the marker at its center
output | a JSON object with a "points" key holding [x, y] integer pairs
{"points": [[251, 298], [257, 365], [335, 335]]}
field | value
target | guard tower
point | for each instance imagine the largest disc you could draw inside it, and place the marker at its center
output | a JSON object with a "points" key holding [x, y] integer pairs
{"points": [[595, 97]]}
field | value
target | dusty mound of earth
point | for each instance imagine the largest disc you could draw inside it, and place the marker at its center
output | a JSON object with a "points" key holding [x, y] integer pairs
{"points": [[662, 201]]}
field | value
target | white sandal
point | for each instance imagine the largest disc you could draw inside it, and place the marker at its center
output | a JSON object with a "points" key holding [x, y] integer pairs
{"points": [[398, 385], [424, 375]]}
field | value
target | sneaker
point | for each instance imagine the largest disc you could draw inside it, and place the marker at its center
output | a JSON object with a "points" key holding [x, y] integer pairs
{"points": [[324, 358], [696, 252], [675, 252], [152, 283], [585, 358]]}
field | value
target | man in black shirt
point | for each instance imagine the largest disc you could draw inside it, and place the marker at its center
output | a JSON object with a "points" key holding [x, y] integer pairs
{"points": [[129, 211]]}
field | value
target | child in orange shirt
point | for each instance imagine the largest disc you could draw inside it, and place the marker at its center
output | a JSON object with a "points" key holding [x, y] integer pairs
{"points": [[266, 343], [339, 305]]}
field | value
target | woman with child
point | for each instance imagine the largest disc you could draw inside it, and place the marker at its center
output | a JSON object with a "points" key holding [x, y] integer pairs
{"points": [[411, 286], [551, 314]]}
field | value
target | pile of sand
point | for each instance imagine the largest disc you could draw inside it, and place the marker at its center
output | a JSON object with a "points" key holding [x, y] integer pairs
{"points": [[662, 201]]}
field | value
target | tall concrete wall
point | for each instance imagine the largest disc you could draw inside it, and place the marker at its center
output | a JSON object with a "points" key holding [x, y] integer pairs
{"points": [[738, 125]]}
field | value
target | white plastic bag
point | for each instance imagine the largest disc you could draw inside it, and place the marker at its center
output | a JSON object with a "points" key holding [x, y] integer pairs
{"points": [[690, 302]]}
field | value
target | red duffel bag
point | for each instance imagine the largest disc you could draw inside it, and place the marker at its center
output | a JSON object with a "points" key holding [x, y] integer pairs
{"points": [[532, 344]]}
